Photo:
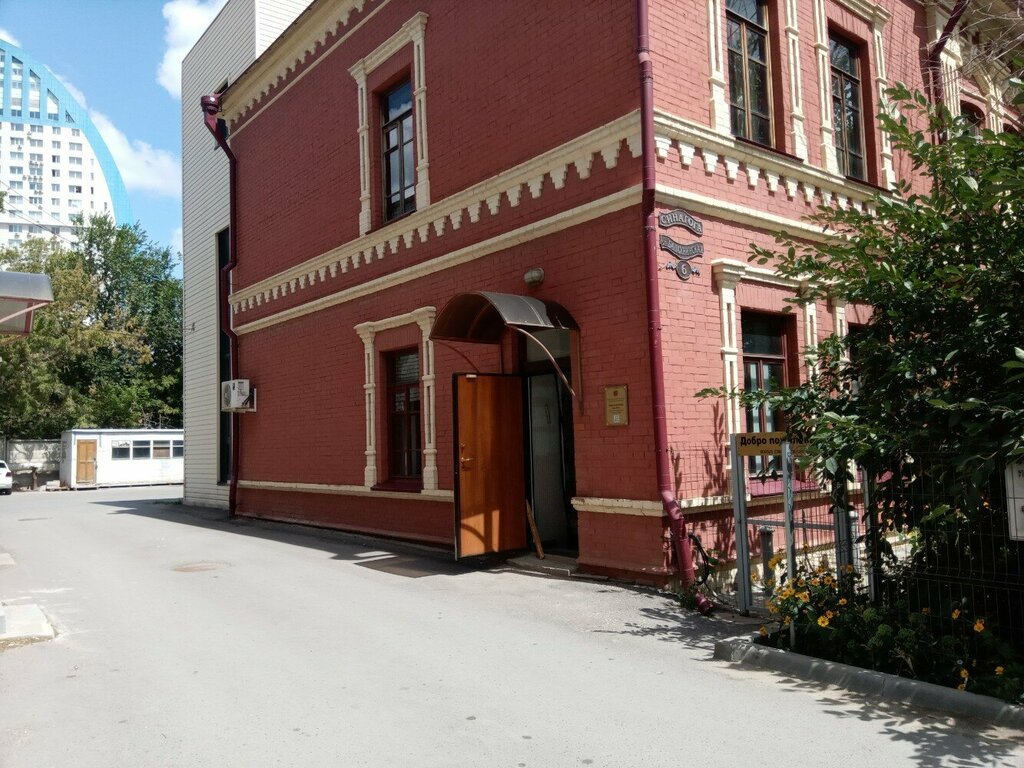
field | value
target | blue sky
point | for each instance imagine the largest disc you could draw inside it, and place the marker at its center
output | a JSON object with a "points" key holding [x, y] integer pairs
{"points": [[122, 58]]}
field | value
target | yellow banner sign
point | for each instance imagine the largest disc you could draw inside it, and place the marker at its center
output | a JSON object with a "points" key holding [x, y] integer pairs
{"points": [[759, 443]]}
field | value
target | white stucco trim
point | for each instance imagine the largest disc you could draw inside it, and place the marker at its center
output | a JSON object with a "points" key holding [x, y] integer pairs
{"points": [[424, 318], [735, 213], [716, 67], [544, 174], [574, 217], [781, 173], [284, 58], [635, 507], [411, 33]]}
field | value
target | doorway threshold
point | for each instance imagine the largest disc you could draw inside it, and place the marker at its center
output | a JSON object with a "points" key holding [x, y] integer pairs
{"points": [[551, 565]]}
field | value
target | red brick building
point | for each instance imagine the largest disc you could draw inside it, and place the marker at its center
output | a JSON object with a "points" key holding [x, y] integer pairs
{"points": [[448, 279]]}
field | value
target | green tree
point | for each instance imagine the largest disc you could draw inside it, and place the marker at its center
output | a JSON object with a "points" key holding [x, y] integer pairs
{"points": [[933, 371], [107, 351]]}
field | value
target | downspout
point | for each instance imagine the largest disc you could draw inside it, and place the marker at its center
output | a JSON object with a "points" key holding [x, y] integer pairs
{"points": [[677, 521], [211, 109], [932, 65]]}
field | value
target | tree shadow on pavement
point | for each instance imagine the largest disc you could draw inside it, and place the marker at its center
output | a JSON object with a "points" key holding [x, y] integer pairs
{"points": [[666, 620], [937, 739]]}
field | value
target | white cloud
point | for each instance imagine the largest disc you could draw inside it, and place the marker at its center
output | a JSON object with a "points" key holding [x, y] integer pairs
{"points": [[186, 22], [143, 167], [75, 93], [5, 35]]}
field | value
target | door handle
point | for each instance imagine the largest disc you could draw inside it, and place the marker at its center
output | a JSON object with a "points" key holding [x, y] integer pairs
{"points": [[464, 460]]}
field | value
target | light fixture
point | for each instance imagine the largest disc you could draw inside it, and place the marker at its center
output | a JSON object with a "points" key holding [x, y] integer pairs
{"points": [[533, 277]]}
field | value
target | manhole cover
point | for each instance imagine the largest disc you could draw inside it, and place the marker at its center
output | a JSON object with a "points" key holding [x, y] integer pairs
{"points": [[205, 565]]}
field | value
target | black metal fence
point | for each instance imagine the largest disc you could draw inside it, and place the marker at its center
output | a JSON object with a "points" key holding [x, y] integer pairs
{"points": [[939, 545]]}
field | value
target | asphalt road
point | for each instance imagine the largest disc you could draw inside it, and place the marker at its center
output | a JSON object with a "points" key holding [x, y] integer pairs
{"points": [[186, 640]]}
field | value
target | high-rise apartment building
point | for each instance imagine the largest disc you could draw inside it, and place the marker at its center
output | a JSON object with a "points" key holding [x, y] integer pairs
{"points": [[54, 165]]}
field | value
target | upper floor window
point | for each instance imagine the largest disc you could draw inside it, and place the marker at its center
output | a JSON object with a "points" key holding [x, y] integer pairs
{"points": [[847, 106], [749, 86], [973, 116], [398, 151]]}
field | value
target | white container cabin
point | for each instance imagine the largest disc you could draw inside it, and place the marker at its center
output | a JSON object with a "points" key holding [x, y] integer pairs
{"points": [[97, 458]]}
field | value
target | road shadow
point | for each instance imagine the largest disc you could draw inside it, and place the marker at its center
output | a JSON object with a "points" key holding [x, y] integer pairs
{"points": [[399, 558]]}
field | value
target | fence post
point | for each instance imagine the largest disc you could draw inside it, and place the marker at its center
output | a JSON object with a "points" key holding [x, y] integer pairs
{"points": [[874, 536], [788, 508], [744, 594], [841, 524]]}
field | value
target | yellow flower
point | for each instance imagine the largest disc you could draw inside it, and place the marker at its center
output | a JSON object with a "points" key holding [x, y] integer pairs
{"points": [[979, 625], [815, 582], [926, 611], [842, 601], [804, 596], [822, 621], [763, 631], [961, 687], [786, 621], [829, 614], [849, 569], [828, 581], [964, 674], [956, 613], [999, 671]]}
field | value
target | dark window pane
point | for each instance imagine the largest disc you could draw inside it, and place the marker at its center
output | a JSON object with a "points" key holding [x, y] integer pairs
{"points": [[735, 35], [757, 46], [759, 88], [762, 335], [140, 449], [761, 130], [120, 449]]}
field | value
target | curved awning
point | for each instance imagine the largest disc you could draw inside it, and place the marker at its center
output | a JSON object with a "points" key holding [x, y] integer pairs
{"points": [[482, 317]]}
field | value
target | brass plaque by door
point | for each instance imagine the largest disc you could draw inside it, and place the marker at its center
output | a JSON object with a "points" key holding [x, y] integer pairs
{"points": [[490, 500], [86, 465]]}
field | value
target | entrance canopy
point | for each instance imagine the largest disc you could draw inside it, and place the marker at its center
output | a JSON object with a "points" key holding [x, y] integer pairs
{"points": [[21, 293], [483, 316]]}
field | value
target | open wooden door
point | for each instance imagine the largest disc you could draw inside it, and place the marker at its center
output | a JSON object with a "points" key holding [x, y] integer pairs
{"points": [[85, 472], [490, 502]]}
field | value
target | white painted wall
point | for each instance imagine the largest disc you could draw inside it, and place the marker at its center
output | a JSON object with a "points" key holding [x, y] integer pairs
{"points": [[126, 471], [240, 33]]}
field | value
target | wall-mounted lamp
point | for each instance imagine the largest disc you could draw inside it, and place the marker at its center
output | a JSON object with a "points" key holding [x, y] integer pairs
{"points": [[533, 277]]}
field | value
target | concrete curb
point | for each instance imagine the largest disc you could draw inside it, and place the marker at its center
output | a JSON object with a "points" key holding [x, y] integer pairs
{"points": [[742, 650], [24, 624]]}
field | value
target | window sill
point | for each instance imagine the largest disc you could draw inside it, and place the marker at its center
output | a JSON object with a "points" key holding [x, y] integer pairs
{"points": [[402, 485], [766, 148]]}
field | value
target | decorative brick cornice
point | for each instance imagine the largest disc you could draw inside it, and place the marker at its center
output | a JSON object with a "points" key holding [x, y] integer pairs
{"points": [[499, 193]]}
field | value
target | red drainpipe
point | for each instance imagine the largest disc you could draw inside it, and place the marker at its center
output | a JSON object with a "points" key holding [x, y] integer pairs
{"points": [[211, 109], [677, 521]]}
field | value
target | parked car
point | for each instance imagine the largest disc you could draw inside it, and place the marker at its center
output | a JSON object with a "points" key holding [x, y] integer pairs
{"points": [[6, 478]]}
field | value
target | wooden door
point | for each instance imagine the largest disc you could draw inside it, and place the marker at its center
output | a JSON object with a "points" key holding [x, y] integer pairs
{"points": [[490, 501], [85, 473]]}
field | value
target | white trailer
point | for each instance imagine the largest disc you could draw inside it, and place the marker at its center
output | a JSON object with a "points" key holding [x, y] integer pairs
{"points": [[96, 458]]}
